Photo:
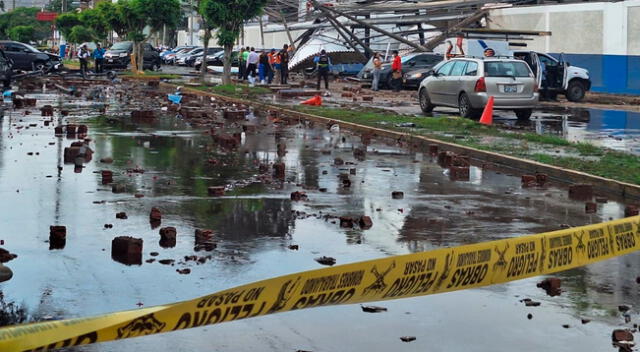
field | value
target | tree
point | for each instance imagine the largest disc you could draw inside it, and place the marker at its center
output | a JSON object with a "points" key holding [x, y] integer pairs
{"points": [[81, 34], [24, 16], [228, 16], [94, 21], [66, 21], [208, 27], [138, 19], [21, 33]]}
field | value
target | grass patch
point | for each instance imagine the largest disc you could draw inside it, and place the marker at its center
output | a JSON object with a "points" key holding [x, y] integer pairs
{"points": [[614, 165]]}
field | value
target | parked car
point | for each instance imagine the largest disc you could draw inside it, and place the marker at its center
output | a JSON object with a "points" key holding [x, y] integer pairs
{"points": [[412, 79], [190, 59], [119, 56], [170, 58], [179, 59], [25, 57], [467, 84], [164, 53], [217, 59], [410, 62], [562, 78]]}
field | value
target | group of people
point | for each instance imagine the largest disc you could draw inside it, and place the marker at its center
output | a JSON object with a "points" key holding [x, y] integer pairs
{"points": [[264, 66], [84, 54]]}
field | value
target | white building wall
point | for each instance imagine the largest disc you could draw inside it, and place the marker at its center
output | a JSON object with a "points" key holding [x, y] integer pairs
{"points": [[589, 28], [251, 37]]}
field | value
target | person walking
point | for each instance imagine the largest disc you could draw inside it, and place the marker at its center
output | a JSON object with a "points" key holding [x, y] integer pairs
{"points": [[272, 60], [284, 64], [83, 55], [242, 63], [98, 57], [245, 57], [377, 68], [263, 67], [323, 62], [396, 72], [252, 65]]}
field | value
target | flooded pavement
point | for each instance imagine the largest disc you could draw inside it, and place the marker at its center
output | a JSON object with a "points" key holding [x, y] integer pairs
{"points": [[169, 162]]}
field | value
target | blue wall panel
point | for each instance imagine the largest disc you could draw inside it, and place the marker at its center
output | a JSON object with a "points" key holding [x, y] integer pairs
{"points": [[619, 74]]}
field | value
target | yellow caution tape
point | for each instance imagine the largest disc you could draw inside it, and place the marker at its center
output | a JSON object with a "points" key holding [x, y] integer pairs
{"points": [[425, 273]]}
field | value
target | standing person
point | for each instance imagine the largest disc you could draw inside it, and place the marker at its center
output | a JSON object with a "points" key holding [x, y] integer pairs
{"points": [[252, 65], [276, 65], [98, 56], [245, 57], [263, 67], [83, 55], [544, 92], [270, 68], [323, 61], [284, 64], [377, 68], [396, 72], [242, 63]]}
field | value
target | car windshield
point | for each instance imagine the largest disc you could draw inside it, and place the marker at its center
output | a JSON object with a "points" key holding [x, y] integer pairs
{"points": [[121, 46], [31, 48], [406, 58], [506, 69]]}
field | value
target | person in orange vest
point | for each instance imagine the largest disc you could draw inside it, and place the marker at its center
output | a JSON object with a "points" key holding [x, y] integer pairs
{"points": [[272, 60], [396, 72]]}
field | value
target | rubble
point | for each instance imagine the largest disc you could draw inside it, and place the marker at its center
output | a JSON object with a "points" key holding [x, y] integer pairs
{"points": [[57, 237], [127, 250], [326, 260], [581, 191], [590, 207], [346, 222], [298, 196], [551, 286], [622, 339], [365, 222], [373, 309], [216, 191], [631, 210], [6, 256], [155, 215]]}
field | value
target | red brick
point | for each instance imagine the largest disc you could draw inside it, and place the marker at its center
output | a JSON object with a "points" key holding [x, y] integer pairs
{"points": [[365, 222], [216, 191], [155, 214]]}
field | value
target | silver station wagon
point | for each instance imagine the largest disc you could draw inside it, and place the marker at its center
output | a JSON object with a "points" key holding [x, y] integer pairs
{"points": [[467, 84]]}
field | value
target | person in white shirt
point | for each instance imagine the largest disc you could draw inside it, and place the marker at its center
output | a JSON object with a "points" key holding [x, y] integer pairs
{"points": [[252, 63], [83, 55]]}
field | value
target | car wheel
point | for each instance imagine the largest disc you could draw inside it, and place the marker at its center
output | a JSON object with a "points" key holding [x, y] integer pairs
{"points": [[465, 108], [425, 101], [575, 91], [39, 66], [523, 114]]}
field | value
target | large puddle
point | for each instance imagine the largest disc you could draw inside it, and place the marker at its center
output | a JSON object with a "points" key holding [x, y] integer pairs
{"points": [[255, 222]]}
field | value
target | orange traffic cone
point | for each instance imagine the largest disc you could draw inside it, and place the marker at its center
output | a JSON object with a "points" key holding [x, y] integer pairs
{"points": [[487, 114], [315, 101]]}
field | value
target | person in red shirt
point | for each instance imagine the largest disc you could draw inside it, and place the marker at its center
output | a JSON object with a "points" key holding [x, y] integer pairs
{"points": [[396, 72]]}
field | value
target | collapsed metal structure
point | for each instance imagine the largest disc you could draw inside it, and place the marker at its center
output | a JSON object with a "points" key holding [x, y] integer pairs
{"points": [[420, 25]]}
